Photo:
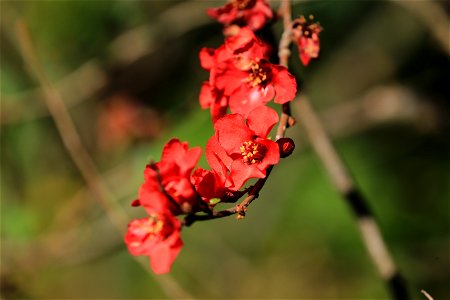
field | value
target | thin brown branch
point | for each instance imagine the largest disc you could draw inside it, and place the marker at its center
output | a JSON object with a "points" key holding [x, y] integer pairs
{"points": [[283, 49], [426, 295], [284, 53], [239, 209], [67, 130], [79, 154]]}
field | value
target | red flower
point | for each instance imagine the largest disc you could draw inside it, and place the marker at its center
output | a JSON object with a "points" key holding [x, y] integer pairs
{"points": [[208, 184], [157, 236], [152, 196], [214, 99], [239, 150], [167, 185], [256, 85], [306, 35], [251, 13], [238, 50]]}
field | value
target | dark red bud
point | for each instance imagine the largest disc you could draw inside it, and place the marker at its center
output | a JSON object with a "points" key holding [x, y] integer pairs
{"points": [[286, 146], [136, 203]]}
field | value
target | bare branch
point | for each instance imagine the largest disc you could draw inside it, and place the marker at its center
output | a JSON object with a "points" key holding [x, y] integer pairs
{"points": [[79, 154], [343, 182]]}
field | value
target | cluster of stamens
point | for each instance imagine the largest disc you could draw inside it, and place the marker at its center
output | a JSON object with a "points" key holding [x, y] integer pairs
{"points": [[258, 74], [242, 4], [252, 152], [306, 27], [154, 226]]}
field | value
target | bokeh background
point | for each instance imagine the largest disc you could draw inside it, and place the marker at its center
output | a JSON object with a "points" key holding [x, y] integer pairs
{"points": [[128, 72]]}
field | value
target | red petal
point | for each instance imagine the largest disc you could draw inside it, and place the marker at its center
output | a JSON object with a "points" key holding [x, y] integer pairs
{"points": [[156, 201], [208, 184], [245, 99], [284, 84], [256, 21], [176, 152], [163, 255], [219, 108], [216, 156], [241, 172], [272, 156], [229, 78], [232, 132], [261, 120], [240, 42], [257, 17], [172, 150], [189, 161], [206, 98], [207, 60]]}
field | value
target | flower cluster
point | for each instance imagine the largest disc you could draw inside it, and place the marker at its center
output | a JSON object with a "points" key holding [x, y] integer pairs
{"points": [[241, 82], [241, 76], [252, 13]]}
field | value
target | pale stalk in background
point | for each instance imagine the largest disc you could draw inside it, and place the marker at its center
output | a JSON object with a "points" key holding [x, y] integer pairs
{"points": [[341, 178], [80, 156]]}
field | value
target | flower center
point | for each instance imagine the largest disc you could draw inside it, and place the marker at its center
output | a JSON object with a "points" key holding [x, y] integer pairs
{"points": [[153, 226], [252, 152], [258, 74], [306, 27], [242, 4]]}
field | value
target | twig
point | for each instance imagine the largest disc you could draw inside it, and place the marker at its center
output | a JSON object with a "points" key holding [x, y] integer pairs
{"points": [[239, 209], [426, 295], [78, 152], [127, 47], [284, 53], [342, 180]]}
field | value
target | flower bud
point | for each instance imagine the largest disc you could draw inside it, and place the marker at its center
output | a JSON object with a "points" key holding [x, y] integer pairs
{"points": [[136, 203], [286, 146]]}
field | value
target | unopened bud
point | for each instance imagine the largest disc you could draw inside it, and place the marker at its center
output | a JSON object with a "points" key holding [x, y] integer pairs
{"points": [[136, 203], [286, 146]]}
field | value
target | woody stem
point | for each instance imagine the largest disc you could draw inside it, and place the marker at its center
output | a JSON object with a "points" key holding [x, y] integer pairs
{"points": [[284, 53]]}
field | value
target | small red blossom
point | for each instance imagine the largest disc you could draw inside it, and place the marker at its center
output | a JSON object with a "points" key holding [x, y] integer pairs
{"points": [[167, 185], [209, 184], [252, 13], [306, 36], [214, 99], [256, 85], [240, 150], [239, 50], [156, 236]]}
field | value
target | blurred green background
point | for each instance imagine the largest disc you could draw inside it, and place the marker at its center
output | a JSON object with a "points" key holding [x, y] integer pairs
{"points": [[129, 73]]}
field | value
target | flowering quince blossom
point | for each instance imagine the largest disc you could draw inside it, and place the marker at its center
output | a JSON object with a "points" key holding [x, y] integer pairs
{"points": [[241, 146], [242, 78], [239, 50], [306, 36], [156, 236], [255, 85], [209, 184], [167, 183], [252, 13]]}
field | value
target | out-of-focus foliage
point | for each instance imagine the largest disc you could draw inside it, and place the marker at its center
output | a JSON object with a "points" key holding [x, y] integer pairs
{"points": [[129, 73]]}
